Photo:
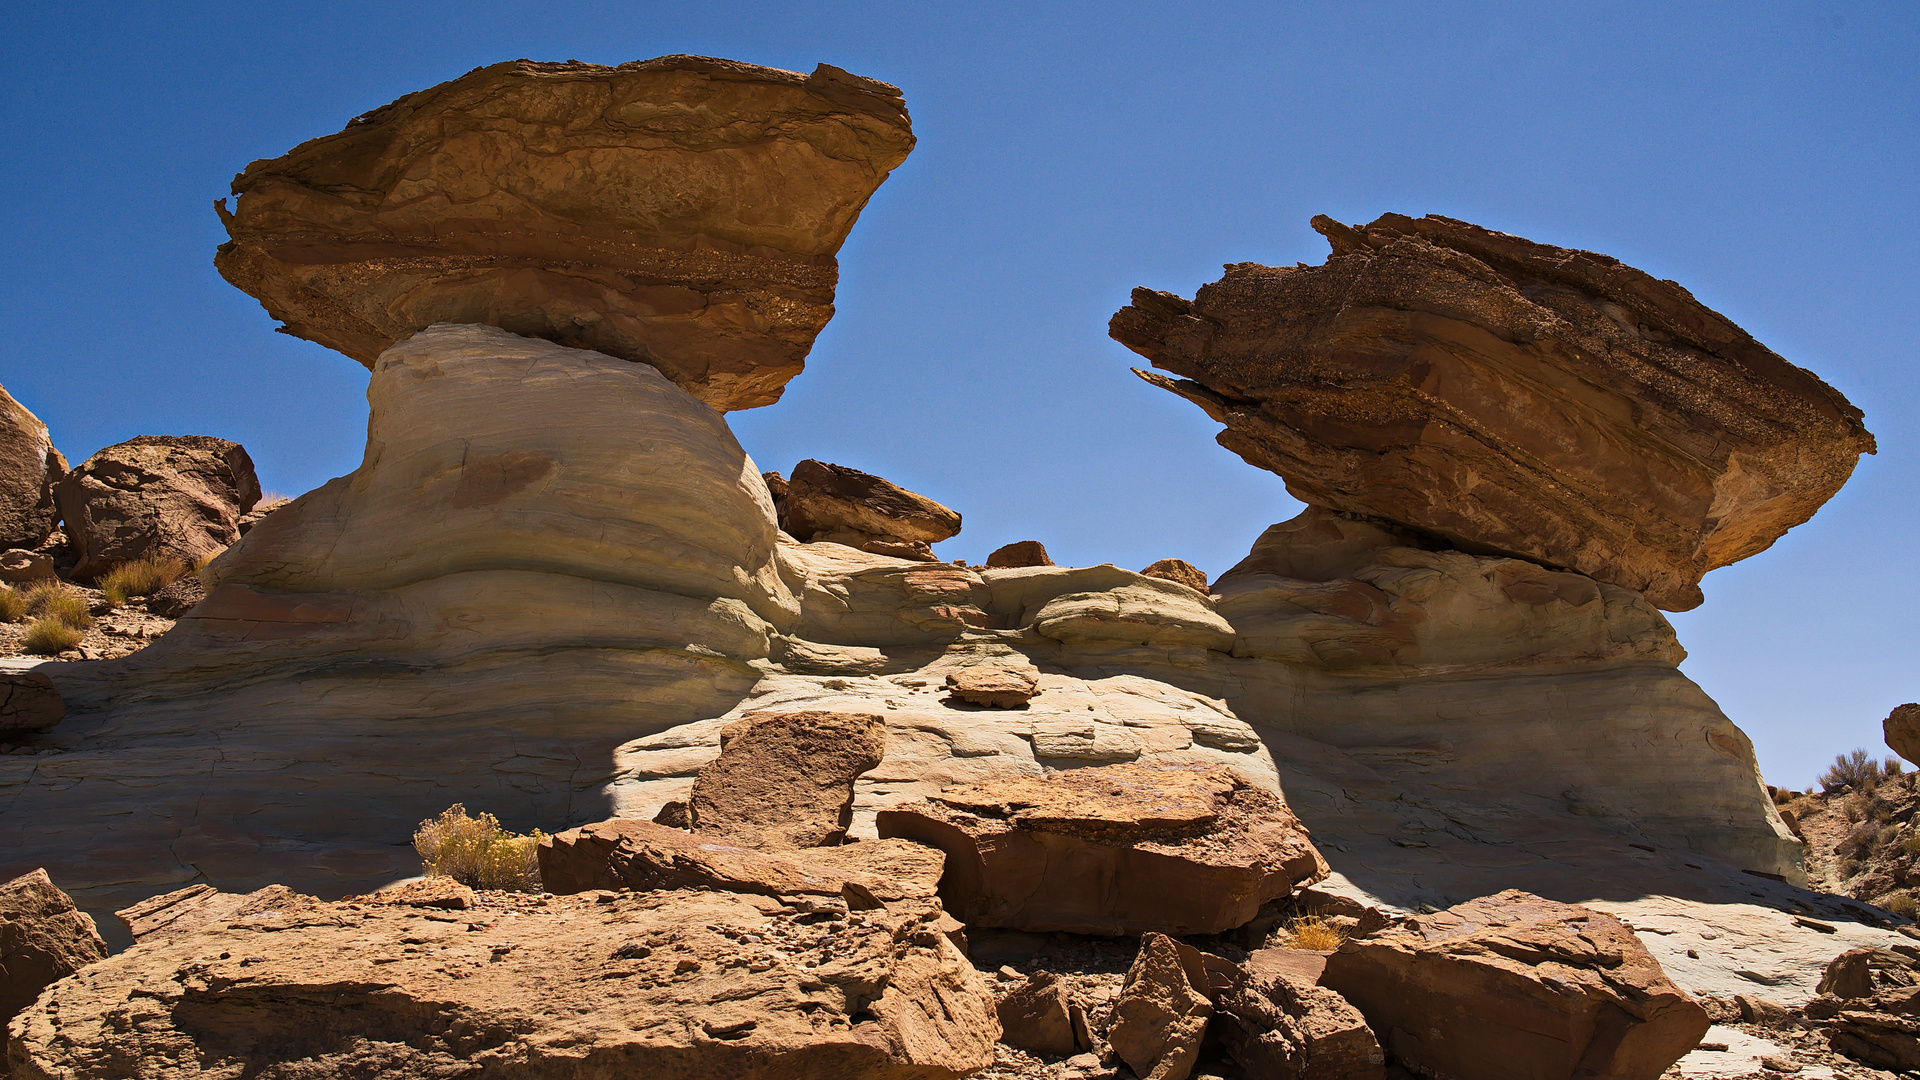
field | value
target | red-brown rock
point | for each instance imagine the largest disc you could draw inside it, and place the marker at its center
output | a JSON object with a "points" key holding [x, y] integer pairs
{"points": [[1037, 1017], [1901, 729], [1277, 1021], [1516, 986], [1162, 1012], [785, 780], [997, 686], [165, 496], [683, 211], [43, 938], [29, 702], [840, 505], [1118, 849], [1179, 570], [1509, 397], [1017, 554], [29, 467]]}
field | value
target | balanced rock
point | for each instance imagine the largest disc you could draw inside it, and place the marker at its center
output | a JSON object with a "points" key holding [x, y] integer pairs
{"points": [[997, 686], [1019, 553], [1901, 730], [669, 984], [29, 702], [682, 211], [29, 467], [785, 780], [1118, 849], [846, 506], [1037, 1017], [1276, 1020], [1179, 570], [1510, 397], [160, 496], [1162, 1012], [1514, 985], [42, 939]]}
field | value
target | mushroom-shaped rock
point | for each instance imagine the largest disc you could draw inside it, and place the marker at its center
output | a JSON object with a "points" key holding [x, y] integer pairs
{"points": [[29, 467], [682, 211], [1119, 849], [835, 503], [1514, 985], [156, 496], [1510, 397]]}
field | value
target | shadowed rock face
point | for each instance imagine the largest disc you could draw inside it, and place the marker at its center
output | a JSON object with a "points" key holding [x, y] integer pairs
{"points": [[682, 211], [29, 467], [1509, 396]]}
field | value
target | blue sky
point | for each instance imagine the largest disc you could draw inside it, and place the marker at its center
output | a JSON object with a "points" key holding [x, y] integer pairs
{"points": [[1764, 155]]}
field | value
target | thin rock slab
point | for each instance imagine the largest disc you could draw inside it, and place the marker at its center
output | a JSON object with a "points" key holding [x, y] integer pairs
{"points": [[682, 212], [826, 502], [785, 780], [156, 496], [1509, 397], [43, 939], [29, 467], [1119, 849], [675, 985], [1511, 986]]}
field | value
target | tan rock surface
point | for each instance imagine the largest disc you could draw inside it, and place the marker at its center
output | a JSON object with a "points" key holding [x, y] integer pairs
{"points": [[1019, 553], [1902, 730], [28, 703], [835, 503], [1162, 1012], [996, 686], [42, 939], [156, 496], [29, 467], [1120, 849], [682, 211], [1513, 985], [19, 566], [1510, 396], [672, 985], [785, 780]]}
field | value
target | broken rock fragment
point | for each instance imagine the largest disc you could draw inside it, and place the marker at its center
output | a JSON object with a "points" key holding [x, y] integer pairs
{"points": [[1162, 1012], [1510, 398], [1118, 849], [29, 703], [43, 939], [785, 780], [683, 212], [156, 496], [1019, 553], [1514, 985], [1179, 570], [1901, 729], [1037, 1017], [836, 504], [997, 686]]}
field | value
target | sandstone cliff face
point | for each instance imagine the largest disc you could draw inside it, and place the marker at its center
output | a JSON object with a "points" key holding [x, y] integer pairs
{"points": [[1511, 397], [682, 211], [29, 467]]}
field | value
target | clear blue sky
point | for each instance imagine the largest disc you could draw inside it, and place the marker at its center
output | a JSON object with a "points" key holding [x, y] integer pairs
{"points": [[1762, 154]]}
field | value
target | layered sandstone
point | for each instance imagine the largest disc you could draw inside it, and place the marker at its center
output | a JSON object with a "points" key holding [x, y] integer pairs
{"points": [[682, 211], [178, 497], [1509, 397], [29, 467]]}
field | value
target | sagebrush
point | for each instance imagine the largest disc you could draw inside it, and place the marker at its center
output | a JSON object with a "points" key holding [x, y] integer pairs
{"points": [[477, 852], [50, 637], [58, 600], [141, 577], [1857, 770]]}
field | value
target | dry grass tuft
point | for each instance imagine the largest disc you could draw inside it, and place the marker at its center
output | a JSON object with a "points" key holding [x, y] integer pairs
{"points": [[50, 637], [142, 577], [1313, 932], [477, 852], [13, 606], [58, 600], [1900, 903]]}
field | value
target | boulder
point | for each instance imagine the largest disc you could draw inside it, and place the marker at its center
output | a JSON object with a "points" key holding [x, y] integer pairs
{"points": [[19, 566], [1277, 1021], [29, 702], [672, 984], [785, 780], [1869, 1004], [159, 496], [42, 939], [1162, 1013], [29, 467], [996, 686], [1019, 553], [175, 600], [846, 506], [1120, 849], [1037, 1017], [1179, 570], [1513, 985], [1508, 397], [682, 211], [1901, 729]]}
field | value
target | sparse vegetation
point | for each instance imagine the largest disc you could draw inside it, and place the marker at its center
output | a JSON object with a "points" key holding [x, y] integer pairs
{"points": [[477, 852], [13, 606], [1313, 932], [142, 577], [1900, 903], [1857, 770], [60, 601], [1894, 766], [50, 637]]}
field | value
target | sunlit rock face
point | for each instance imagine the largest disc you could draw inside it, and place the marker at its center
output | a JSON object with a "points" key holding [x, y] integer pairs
{"points": [[683, 211], [1510, 397]]}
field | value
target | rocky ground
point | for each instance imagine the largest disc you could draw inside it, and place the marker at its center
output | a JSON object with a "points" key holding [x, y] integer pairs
{"points": [[1861, 841]]}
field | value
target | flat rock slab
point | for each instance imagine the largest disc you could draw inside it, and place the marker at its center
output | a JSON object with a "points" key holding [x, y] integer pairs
{"points": [[682, 211], [42, 939], [1510, 397], [1513, 985], [997, 686], [835, 503], [785, 780], [676, 985], [1118, 849]]}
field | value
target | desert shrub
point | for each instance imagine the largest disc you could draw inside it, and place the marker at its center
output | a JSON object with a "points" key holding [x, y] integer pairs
{"points": [[48, 637], [1857, 770], [13, 606], [1850, 867], [1893, 766], [141, 577], [477, 852], [1313, 932], [58, 600], [1900, 903]]}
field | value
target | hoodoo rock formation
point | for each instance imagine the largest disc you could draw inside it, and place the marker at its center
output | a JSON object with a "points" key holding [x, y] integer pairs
{"points": [[1511, 397], [29, 467], [682, 211]]}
